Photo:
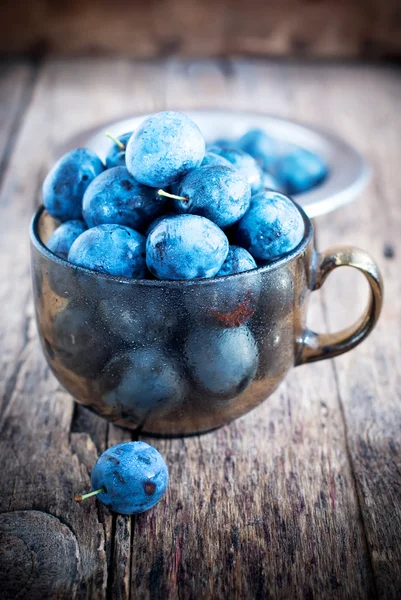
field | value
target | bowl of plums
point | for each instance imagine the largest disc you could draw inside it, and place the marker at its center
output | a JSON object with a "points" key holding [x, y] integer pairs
{"points": [[173, 260]]}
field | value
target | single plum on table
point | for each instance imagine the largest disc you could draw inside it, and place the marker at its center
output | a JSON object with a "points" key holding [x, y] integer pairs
{"points": [[129, 478]]}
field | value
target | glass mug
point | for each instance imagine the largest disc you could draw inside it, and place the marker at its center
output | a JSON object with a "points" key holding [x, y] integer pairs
{"points": [[184, 357]]}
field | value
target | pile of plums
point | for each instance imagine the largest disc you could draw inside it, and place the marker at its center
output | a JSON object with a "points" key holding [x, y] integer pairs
{"points": [[165, 206]]}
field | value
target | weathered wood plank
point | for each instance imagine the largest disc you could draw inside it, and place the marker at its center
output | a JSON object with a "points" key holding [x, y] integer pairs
{"points": [[355, 28], [266, 507], [363, 106], [17, 79]]}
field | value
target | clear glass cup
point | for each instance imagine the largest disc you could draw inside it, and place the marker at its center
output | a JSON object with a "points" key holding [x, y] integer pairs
{"points": [[183, 357]]}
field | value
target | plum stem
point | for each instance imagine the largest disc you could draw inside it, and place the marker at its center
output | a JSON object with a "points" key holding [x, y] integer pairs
{"points": [[82, 497], [173, 196], [115, 140]]}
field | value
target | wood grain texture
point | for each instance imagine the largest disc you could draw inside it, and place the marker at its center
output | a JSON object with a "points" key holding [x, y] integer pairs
{"points": [[369, 378], [298, 499], [161, 28]]}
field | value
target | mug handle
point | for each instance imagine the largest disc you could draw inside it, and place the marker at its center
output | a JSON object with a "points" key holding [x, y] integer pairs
{"points": [[319, 346]]}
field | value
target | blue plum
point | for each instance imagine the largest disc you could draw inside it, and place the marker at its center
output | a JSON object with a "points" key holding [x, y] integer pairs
{"points": [[134, 476], [64, 236], [65, 185], [212, 159], [244, 164], [186, 247], [164, 148], [300, 170], [141, 381], [261, 146], [238, 260], [222, 361], [272, 226], [115, 197], [218, 193], [116, 155], [112, 249]]}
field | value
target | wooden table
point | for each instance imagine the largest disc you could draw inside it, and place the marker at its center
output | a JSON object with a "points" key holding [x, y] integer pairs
{"points": [[298, 499]]}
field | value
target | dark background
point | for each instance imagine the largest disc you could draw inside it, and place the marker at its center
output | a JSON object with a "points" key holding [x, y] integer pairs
{"points": [[368, 29]]}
